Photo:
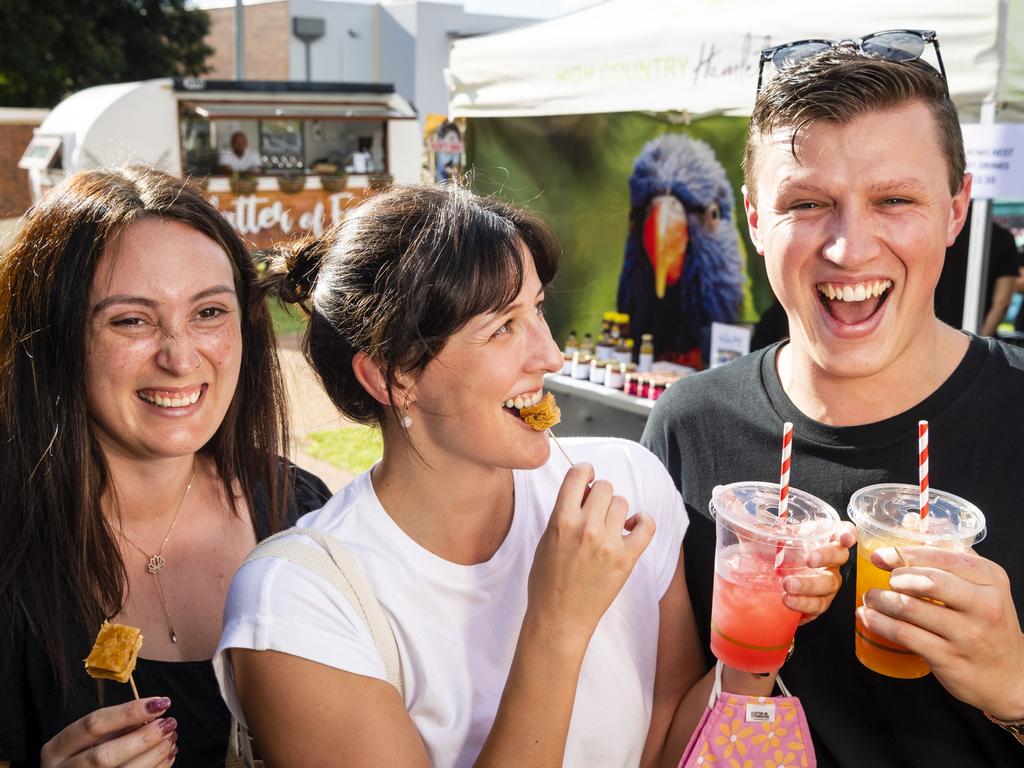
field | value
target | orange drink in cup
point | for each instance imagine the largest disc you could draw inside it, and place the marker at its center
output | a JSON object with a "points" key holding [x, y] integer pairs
{"points": [[751, 629], [888, 515]]}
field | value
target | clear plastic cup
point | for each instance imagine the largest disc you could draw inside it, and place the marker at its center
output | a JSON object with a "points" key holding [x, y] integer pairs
{"points": [[751, 629], [888, 515]]}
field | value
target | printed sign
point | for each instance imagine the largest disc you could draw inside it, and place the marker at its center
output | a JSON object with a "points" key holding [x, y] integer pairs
{"points": [[265, 218], [995, 157], [728, 342]]}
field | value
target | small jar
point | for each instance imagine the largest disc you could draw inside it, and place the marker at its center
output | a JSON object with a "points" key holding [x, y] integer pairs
{"points": [[580, 366], [632, 384], [615, 375], [643, 386], [567, 363], [597, 367], [656, 390]]}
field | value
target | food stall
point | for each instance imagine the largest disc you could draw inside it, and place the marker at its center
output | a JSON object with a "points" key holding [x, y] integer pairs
{"points": [[313, 148]]}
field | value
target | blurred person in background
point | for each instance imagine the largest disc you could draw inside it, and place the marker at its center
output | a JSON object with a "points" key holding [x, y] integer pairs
{"points": [[1000, 280]]}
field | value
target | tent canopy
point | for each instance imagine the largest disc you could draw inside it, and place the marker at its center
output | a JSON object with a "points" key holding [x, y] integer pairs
{"points": [[701, 56]]}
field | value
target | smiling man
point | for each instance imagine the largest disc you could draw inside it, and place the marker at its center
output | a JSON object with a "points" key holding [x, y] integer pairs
{"points": [[855, 186]]}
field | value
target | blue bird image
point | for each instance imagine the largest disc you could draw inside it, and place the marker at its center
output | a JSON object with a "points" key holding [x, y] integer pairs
{"points": [[682, 269]]}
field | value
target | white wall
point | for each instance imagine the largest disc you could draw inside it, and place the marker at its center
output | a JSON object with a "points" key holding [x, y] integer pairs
{"points": [[402, 42], [347, 50]]}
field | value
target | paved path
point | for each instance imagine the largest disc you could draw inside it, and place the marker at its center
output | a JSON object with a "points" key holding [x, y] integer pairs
{"points": [[310, 410]]}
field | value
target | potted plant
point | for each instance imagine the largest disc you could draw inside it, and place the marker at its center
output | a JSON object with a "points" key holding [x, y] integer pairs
{"points": [[334, 182], [243, 183], [291, 182]]}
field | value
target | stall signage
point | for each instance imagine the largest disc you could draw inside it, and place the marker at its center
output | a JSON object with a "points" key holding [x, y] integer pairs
{"points": [[267, 218], [995, 157], [728, 342]]}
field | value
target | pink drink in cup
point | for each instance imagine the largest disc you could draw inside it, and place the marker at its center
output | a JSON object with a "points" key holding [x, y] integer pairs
{"points": [[751, 629]]}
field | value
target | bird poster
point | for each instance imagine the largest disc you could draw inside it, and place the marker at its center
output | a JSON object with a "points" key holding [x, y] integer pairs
{"points": [[682, 269], [647, 208]]}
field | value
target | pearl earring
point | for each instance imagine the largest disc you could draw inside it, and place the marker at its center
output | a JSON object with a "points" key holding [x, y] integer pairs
{"points": [[406, 418]]}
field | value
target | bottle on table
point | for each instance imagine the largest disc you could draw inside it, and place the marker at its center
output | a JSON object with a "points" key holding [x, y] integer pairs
{"points": [[572, 344], [623, 352], [604, 348], [646, 360]]}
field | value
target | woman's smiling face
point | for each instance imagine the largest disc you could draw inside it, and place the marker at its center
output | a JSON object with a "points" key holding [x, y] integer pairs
{"points": [[163, 341], [458, 405]]}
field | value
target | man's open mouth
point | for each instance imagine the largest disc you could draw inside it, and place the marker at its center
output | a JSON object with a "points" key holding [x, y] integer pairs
{"points": [[853, 303]]}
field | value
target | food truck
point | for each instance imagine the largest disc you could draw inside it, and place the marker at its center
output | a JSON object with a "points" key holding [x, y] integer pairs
{"points": [[281, 159]]}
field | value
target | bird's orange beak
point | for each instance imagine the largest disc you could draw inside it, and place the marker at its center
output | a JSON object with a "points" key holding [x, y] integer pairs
{"points": [[665, 239]]}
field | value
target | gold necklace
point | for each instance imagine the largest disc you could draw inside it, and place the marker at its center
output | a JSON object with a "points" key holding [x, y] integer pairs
{"points": [[157, 562]]}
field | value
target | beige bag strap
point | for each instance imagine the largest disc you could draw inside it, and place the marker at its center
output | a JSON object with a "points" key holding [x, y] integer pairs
{"points": [[339, 567]]}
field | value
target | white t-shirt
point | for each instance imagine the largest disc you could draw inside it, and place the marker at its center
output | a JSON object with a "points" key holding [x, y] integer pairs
{"points": [[249, 161], [457, 625]]}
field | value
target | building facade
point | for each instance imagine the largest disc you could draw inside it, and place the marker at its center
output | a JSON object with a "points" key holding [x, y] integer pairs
{"points": [[404, 42]]}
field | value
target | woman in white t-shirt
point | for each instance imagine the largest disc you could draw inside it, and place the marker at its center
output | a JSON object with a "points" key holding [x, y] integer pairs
{"points": [[540, 611]]}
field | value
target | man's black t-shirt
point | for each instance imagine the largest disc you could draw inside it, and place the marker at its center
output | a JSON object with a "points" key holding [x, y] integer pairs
{"points": [[724, 426]]}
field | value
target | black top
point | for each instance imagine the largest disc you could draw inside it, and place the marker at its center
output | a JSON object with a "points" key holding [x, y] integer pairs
{"points": [[31, 706], [725, 425], [949, 292]]}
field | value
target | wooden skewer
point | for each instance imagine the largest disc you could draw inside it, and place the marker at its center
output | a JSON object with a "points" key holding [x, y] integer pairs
{"points": [[555, 441], [135, 690]]}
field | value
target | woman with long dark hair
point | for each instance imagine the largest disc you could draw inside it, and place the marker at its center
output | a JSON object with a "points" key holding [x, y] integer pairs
{"points": [[142, 421]]}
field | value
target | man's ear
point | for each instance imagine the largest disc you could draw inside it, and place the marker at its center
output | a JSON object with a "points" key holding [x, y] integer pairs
{"points": [[370, 375], [958, 210], [750, 208]]}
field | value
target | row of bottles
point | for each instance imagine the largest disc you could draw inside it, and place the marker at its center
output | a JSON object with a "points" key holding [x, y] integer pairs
{"points": [[612, 349], [616, 375]]}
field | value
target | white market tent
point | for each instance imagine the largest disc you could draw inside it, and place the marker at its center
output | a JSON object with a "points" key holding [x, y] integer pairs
{"points": [[700, 57]]}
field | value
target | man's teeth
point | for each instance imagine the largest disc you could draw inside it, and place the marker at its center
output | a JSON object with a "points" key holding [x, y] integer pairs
{"points": [[858, 292], [176, 401], [523, 401]]}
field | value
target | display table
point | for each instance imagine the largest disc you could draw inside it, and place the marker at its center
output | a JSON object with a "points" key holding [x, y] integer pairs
{"points": [[593, 410]]}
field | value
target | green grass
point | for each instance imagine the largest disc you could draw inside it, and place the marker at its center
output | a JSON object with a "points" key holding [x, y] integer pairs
{"points": [[288, 321], [354, 449]]}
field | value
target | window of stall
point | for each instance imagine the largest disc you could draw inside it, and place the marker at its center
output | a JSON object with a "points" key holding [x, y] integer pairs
{"points": [[319, 143]]}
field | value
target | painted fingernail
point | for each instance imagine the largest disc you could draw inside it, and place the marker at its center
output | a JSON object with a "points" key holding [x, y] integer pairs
{"points": [[155, 706], [167, 725]]}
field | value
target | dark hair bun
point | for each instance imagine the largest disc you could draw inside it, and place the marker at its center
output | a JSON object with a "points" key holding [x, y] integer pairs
{"points": [[293, 270]]}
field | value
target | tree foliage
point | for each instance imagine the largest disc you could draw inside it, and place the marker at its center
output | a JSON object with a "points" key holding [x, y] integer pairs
{"points": [[51, 48]]}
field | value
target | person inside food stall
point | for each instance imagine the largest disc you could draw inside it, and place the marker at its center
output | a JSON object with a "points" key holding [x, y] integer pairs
{"points": [[239, 158], [142, 417]]}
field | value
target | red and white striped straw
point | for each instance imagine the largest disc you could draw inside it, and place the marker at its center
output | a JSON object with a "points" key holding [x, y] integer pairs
{"points": [[787, 454], [922, 465]]}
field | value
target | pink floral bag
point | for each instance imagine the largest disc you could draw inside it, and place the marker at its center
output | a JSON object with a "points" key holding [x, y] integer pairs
{"points": [[750, 732]]}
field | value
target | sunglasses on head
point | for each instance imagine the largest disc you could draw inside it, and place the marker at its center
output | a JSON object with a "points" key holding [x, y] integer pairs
{"points": [[892, 44]]}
